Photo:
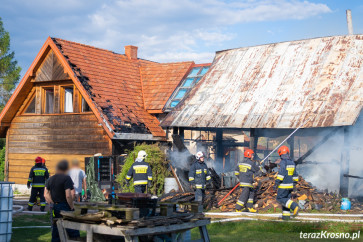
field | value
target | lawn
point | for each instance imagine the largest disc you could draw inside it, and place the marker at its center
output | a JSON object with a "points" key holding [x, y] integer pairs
{"points": [[233, 231], [273, 231], [30, 235]]}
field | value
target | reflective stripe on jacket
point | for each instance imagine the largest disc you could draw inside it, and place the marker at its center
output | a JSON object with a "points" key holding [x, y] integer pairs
{"points": [[245, 171], [38, 175], [141, 172], [287, 176], [199, 174]]}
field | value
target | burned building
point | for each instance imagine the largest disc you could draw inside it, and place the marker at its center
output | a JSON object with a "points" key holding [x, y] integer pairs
{"points": [[76, 100], [256, 96]]}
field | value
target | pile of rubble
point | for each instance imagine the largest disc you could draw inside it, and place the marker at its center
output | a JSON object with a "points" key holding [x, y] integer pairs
{"points": [[308, 197]]}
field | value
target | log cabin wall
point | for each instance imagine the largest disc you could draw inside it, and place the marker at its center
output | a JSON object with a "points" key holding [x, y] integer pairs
{"points": [[53, 137], [61, 134]]}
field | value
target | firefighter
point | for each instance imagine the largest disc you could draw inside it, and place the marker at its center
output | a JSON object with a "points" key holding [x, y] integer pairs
{"points": [[141, 172], [199, 176], [285, 181], [37, 178], [245, 171]]}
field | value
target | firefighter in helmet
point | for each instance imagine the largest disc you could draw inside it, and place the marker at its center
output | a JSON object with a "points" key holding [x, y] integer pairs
{"points": [[199, 176], [285, 181], [246, 171], [141, 172], [37, 178]]}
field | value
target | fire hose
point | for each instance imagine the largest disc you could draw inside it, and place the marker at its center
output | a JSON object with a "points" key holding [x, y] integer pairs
{"points": [[228, 194]]}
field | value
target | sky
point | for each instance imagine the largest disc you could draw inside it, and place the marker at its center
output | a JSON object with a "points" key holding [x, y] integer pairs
{"points": [[170, 31]]}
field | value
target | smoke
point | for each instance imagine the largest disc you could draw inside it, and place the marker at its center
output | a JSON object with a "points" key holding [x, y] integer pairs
{"points": [[322, 168]]}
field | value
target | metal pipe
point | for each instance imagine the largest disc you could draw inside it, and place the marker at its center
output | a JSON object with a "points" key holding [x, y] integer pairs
{"points": [[349, 22]]}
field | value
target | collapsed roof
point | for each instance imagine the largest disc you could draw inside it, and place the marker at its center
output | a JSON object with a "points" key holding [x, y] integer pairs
{"points": [[309, 83]]}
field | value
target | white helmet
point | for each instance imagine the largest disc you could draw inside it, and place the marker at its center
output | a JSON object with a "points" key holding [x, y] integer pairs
{"points": [[142, 154], [199, 155]]}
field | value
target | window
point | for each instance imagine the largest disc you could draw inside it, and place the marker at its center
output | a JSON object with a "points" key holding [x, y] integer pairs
{"points": [[174, 103], [194, 76], [68, 100], [84, 106], [31, 106], [49, 101]]}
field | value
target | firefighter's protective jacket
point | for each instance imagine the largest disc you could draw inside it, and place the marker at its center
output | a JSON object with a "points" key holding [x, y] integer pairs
{"points": [[38, 175], [199, 175], [287, 176], [140, 171], [246, 171]]}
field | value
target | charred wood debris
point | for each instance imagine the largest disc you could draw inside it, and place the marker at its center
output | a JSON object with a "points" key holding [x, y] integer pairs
{"points": [[306, 195]]}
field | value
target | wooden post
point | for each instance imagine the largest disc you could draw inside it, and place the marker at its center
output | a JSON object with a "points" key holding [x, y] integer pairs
{"points": [[291, 143], [219, 144], [344, 165], [181, 133]]}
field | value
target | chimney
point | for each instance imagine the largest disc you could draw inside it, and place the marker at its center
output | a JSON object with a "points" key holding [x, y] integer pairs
{"points": [[349, 22], [131, 52]]}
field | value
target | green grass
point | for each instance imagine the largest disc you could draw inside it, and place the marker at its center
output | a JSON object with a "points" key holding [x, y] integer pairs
{"points": [[31, 235], [233, 231], [271, 231]]}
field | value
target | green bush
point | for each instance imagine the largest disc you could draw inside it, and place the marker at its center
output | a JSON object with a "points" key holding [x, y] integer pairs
{"points": [[2, 163], [159, 165]]}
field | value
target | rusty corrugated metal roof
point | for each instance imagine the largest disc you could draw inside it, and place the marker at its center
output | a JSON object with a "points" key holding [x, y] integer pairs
{"points": [[280, 85]]}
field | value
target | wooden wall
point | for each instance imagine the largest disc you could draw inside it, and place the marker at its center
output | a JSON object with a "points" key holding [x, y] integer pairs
{"points": [[53, 137]]}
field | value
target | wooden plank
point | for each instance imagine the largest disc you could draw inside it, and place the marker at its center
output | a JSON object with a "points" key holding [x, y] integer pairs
{"points": [[18, 180], [77, 101], [50, 69], [38, 100], [59, 137], [6, 165], [51, 118], [69, 151], [13, 156], [89, 131], [56, 99]]}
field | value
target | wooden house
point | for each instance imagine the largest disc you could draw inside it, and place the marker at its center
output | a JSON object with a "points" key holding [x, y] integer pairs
{"points": [[77, 100]]}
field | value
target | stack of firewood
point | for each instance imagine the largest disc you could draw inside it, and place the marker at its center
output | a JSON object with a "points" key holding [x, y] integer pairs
{"points": [[308, 197]]}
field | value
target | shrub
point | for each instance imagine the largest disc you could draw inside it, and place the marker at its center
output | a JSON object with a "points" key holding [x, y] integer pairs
{"points": [[2, 163], [157, 160]]}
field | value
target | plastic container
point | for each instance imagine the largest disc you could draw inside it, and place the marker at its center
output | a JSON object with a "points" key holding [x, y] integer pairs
{"points": [[6, 210], [170, 184], [346, 204]]}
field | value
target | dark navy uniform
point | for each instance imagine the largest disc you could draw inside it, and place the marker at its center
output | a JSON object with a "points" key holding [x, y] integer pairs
{"points": [[199, 176], [285, 181], [142, 174], [246, 171], [37, 177]]}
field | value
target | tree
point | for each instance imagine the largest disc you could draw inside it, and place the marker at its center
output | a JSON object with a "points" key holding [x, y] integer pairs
{"points": [[9, 69]]}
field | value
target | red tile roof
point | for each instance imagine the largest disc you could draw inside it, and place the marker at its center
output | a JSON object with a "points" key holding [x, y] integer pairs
{"points": [[159, 82], [114, 84]]}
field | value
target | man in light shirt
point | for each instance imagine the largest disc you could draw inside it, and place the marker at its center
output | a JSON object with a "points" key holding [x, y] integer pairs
{"points": [[79, 179]]}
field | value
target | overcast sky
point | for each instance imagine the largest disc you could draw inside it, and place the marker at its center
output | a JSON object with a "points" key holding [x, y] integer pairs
{"points": [[168, 31]]}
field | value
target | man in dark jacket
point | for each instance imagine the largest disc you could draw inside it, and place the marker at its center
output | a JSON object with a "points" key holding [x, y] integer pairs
{"points": [[246, 171], [285, 181], [141, 172], [199, 176], [58, 193], [37, 178]]}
